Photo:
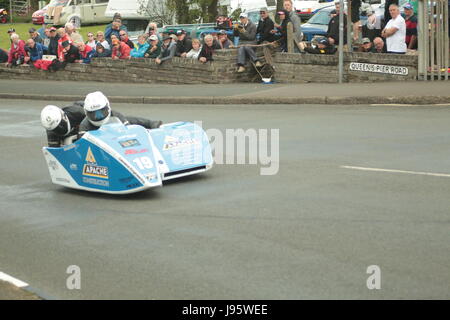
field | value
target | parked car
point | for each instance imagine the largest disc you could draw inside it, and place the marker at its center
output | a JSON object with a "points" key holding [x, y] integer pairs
{"points": [[79, 12], [307, 8], [317, 24], [38, 17]]}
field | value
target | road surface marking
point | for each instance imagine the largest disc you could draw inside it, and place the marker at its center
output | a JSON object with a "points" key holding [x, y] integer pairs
{"points": [[398, 171], [12, 280]]}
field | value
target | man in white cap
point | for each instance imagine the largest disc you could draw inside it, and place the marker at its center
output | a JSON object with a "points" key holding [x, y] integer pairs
{"points": [[154, 50], [246, 31]]}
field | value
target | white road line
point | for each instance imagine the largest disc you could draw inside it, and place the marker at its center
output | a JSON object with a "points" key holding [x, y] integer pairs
{"points": [[12, 280], [398, 171]]}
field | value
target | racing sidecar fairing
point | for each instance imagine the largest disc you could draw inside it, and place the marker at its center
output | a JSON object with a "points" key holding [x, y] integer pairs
{"points": [[119, 159]]}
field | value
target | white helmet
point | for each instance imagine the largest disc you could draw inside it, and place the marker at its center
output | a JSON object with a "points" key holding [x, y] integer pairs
{"points": [[97, 108], [55, 120]]}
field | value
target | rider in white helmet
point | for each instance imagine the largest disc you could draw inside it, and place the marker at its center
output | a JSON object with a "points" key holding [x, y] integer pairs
{"points": [[61, 123], [98, 112]]}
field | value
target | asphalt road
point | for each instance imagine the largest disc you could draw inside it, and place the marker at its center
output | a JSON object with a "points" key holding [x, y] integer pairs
{"points": [[309, 232]]}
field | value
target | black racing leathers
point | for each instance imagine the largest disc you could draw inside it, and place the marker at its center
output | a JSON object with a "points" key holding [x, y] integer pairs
{"points": [[75, 114]]}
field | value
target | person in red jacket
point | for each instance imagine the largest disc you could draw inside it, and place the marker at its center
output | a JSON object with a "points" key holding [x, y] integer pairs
{"points": [[120, 50], [17, 52], [63, 36]]}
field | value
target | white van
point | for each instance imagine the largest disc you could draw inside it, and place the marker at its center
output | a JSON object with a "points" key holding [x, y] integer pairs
{"points": [[79, 12]]}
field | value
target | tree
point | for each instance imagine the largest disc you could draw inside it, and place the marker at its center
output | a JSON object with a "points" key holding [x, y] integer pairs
{"points": [[191, 11]]}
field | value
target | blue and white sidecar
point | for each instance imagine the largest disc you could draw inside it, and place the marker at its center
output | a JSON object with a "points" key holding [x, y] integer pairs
{"points": [[119, 159]]}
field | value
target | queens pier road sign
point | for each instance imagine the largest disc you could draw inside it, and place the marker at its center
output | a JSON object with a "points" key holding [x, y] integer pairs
{"points": [[379, 68]]}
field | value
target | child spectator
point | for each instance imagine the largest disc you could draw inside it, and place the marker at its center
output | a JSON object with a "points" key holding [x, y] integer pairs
{"points": [[141, 49], [195, 51], [101, 52]]}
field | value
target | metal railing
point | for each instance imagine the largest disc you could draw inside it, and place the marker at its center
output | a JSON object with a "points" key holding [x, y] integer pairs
{"points": [[433, 42]]}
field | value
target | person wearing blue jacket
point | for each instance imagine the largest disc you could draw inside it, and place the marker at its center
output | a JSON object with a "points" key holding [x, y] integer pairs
{"points": [[35, 50], [141, 49], [114, 28]]}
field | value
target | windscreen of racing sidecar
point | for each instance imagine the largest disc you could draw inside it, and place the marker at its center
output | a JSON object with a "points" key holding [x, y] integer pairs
{"points": [[75, 138]]}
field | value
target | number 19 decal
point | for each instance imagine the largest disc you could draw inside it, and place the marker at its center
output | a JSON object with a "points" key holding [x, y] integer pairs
{"points": [[143, 163]]}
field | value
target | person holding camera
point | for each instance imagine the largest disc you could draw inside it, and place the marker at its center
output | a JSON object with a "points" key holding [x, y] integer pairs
{"points": [[246, 31], [114, 29]]}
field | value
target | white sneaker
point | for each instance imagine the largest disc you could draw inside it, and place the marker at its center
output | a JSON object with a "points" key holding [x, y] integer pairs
{"points": [[258, 64], [241, 69]]}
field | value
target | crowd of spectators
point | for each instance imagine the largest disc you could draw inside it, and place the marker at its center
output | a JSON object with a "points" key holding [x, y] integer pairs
{"points": [[55, 48]]}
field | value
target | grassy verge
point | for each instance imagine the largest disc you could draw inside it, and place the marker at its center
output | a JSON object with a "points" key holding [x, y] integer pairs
{"points": [[22, 30]]}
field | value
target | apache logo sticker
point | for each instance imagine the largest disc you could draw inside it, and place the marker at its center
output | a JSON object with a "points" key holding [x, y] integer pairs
{"points": [[92, 169], [176, 143]]}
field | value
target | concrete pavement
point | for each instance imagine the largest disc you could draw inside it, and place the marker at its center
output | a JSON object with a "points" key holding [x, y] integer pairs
{"points": [[418, 93], [309, 232]]}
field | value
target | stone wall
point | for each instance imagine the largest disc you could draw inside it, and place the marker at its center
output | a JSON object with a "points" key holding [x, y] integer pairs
{"points": [[289, 68], [300, 68]]}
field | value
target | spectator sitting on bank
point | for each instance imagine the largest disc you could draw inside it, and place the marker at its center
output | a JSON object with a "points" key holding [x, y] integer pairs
{"points": [[114, 29], [17, 52], [378, 45], [333, 26], [208, 49], [395, 32], [280, 31], [62, 38], [323, 47], [101, 39], [120, 50], [246, 31], [184, 44], [366, 45], [195, 51], [91, 40], [124, 38], [411, 27], [265, 27], [101, 52], [72, 33], [154, 49], [168, 49], [35, 36], [86, 52], [223, 40], [35, 51], [141, 49], [53, 45]]}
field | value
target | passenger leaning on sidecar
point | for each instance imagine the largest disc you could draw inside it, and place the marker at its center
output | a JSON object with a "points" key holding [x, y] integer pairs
{"points": [[98, 112], [62, 123]]}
